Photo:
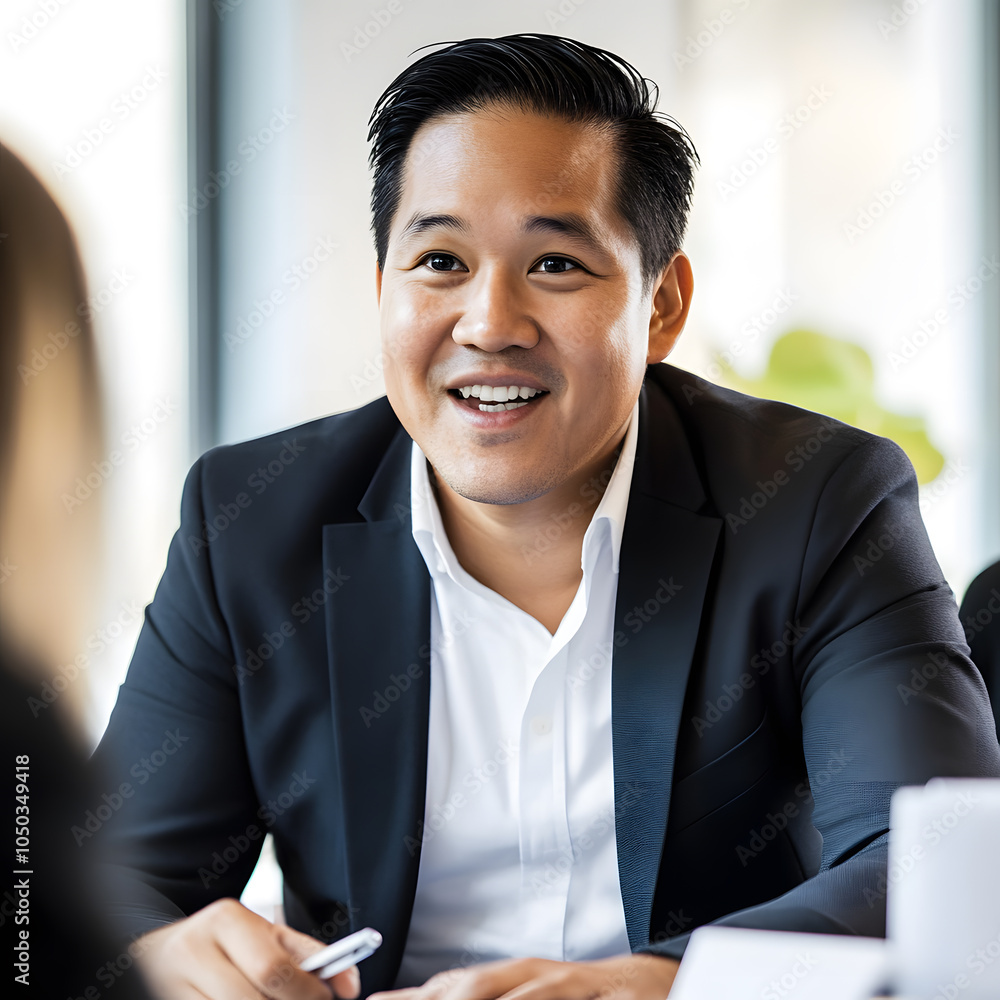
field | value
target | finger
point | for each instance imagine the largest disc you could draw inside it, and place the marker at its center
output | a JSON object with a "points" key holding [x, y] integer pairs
{"points": [[345, 984], [493, 979], [410, 993], [257, 948], [300, 946], [217, 977], [552, 987]]}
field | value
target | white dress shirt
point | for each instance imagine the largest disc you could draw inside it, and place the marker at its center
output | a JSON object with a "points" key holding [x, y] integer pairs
{"points": [[517, 847]]}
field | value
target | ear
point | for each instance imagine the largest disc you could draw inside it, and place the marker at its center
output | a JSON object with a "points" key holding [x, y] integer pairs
{"points": [[378, 283], [671, 301]]}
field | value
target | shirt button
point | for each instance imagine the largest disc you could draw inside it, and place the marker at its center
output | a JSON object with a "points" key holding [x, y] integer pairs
{"points": [[541, 726]]}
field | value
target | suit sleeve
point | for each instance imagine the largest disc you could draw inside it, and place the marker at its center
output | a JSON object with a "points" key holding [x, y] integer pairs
{"points": [[886, 688], [175, 826]]}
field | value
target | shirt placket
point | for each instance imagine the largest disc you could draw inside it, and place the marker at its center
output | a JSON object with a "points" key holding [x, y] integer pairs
{"points": [[546, 849]]}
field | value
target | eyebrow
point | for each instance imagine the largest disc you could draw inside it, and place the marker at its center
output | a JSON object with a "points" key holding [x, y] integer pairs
{"points": [[568, 224], [421, 223]]}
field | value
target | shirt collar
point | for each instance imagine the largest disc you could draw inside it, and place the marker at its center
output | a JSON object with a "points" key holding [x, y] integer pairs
{"points": [[608, 520]]}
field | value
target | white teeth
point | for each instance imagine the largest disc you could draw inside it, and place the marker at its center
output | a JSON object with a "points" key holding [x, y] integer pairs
{"points": [[498, 394], [497, 407]]}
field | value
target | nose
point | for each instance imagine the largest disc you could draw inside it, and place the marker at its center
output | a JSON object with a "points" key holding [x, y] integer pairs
{"points": [[494, 314]]}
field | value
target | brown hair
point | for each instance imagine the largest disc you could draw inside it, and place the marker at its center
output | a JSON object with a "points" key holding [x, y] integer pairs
{"points": [[50, 423]]}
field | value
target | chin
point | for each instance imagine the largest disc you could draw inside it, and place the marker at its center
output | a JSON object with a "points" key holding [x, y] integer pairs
{"points": [[489, 487]]}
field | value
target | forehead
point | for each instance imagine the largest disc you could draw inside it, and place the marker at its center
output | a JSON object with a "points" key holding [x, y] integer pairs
{"points": [[484, 163]]}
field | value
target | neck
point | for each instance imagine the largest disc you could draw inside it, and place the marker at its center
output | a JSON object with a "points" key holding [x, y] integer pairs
{"points": [[530, 552]]}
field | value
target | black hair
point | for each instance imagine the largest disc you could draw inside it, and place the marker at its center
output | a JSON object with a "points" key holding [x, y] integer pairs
{"points": [[549, 75]]}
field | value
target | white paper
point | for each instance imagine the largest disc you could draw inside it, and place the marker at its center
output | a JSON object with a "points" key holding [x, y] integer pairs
{"points": [[730, 963], [943, 888]]}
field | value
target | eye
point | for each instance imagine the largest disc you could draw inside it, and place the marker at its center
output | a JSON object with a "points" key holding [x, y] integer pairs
{"points": [[556, 265], [442, 262]]}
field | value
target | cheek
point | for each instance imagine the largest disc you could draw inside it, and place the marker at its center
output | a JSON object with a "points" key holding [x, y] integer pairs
{"points": [[408, 339]]}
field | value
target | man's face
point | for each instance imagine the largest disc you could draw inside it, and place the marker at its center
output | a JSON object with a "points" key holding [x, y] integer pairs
{"points": [[509, 266]]}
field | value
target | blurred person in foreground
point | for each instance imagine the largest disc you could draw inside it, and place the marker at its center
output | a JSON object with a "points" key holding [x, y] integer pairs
{"points": [[50, 431], [556, 652]]}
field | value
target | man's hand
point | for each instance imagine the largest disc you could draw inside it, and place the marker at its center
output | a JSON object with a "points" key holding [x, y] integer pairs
{"points": [[227, 952], [626, 977]]}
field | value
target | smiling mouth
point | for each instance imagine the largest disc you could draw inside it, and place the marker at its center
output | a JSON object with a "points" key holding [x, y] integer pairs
{"points": [[493, 399]]}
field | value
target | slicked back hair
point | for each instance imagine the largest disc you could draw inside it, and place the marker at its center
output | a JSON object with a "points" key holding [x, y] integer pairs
{"points": [[554, 76]]}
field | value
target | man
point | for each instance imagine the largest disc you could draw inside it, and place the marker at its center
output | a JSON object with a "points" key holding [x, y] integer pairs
{"points": [[557, 652]]}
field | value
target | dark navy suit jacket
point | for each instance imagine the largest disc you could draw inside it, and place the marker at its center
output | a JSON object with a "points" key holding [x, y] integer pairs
{"points": [[786, 654]]}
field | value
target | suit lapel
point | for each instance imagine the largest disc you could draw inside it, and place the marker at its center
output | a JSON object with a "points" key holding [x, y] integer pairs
{"points": [[667, 553], [378, 634]]}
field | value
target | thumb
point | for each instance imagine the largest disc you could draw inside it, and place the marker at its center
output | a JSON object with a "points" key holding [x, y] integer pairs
{"points": [[345, 984]]}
